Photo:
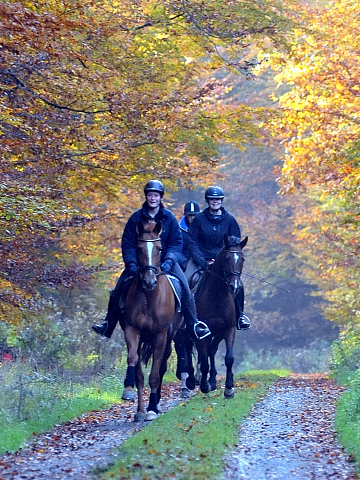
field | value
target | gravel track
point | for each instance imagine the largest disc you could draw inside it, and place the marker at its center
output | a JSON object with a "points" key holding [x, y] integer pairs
{"points": [[290, 435]]}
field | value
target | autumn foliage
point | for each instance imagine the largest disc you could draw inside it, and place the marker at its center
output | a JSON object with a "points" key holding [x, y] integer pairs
{"points": [[97, 97], [319, 126]]}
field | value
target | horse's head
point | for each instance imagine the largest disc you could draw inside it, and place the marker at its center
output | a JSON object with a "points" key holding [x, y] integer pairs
{"points": [[148, 252], [230, 260]]}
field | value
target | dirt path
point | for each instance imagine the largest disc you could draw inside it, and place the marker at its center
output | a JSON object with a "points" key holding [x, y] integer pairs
{"points": [[289, 434], [72, 450]]}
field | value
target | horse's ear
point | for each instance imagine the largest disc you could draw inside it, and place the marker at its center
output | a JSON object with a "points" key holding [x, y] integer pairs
{"points": [[244, 242], [139, 228], [158, 227]]}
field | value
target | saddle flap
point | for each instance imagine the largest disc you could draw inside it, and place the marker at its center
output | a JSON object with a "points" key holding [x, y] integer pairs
{"points": [[176, 287]]}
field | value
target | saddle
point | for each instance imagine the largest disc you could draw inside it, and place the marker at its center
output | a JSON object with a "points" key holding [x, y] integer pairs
{"points": [[175, 285]]}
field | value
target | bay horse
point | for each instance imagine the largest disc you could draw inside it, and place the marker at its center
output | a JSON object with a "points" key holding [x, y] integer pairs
{"points": [[215, 305], [150, 321]]}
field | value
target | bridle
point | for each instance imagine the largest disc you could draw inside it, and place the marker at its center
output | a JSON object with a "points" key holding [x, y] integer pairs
{"points": [[151, 268], [227, 276]]}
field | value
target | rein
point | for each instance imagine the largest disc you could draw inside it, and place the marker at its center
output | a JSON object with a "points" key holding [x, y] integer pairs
{"points": [[226, 276]]}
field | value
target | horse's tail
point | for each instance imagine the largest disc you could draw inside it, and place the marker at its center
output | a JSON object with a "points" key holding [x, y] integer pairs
{"points": [[147, 349]]}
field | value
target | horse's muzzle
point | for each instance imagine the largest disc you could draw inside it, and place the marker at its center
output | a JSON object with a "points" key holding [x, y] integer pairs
{"points": [[149, 285]]}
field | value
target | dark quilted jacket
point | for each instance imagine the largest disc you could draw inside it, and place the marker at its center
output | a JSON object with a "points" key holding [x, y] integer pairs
{"points": [[206, 234], [170, 234]]}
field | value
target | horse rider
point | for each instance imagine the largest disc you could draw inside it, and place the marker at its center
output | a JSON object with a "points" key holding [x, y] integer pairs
{"points": [[191, 209], [206, 238], [171, 241]]}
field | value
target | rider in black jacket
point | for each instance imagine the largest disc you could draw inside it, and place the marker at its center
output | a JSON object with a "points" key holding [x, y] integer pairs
{"points": [[206, 238], [171, 241], [191, 209]]}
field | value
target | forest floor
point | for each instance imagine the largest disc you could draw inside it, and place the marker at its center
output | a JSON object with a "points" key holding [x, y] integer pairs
{"points": [[289, 434]]}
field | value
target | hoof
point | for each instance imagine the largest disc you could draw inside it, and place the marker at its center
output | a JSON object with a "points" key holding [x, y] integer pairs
{"points": [[185, 393], [229, 392], [205, 386], [128, 395], [213, 386], [139, 417], [149, 416]]}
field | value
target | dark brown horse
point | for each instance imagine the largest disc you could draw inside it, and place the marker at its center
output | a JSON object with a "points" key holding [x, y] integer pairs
{"points": [[150, 321], [215, 306]]}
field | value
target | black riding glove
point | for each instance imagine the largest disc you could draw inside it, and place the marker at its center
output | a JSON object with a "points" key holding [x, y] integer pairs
{"points": [[133, 269], [167, 265], [203, 264]]}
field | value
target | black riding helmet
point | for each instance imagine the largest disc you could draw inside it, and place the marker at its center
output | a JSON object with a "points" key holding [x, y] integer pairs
{"points": [[214, 192], [191, 208], [154, 186]]}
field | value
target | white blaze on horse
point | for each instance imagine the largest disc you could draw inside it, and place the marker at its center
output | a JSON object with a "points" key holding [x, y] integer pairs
{"points": [[215, 305], [150, 321]]}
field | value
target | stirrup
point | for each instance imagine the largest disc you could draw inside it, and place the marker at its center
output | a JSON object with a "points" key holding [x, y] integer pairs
{"points": [[203, 330], [243, 322]]}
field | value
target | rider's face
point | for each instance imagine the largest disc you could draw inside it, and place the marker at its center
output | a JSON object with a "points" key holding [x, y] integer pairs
{"points": [[214, 203], [153, 199], [190, 217]]}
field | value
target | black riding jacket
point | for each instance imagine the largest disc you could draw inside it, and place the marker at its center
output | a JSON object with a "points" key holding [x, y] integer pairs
{"points": [[185, 257], [170, 235], [206, 234]]}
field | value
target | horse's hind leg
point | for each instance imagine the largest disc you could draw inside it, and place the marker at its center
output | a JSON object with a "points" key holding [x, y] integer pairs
{"points": [[184, 368], [229, 361]]}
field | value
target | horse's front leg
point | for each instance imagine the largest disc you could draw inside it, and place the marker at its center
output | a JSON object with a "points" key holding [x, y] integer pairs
{"points": [[202, 348], [132, 338], [139, 380], [212, 353], [163, 368], [229, 361], [154, 377]]}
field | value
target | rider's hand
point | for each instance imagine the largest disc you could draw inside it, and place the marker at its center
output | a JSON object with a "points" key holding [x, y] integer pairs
{"points": [[203, 264], [166, 266], [133, 269]]}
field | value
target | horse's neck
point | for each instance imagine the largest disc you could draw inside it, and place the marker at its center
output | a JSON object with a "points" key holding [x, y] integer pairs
{"points": [[215, 279]]}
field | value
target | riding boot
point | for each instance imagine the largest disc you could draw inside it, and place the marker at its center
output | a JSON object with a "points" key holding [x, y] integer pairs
{"points": [[113, 314], [243, 322], [197, 328]]}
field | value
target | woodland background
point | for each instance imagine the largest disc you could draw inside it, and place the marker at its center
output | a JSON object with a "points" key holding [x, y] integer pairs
{"points": [[259, 97]]}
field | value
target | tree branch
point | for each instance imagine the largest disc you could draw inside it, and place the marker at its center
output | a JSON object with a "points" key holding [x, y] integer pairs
{"points": [[22, 86]]}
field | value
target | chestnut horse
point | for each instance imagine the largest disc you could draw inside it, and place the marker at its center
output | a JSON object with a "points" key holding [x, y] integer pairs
{"points": [[150, 321], [215, 305]]}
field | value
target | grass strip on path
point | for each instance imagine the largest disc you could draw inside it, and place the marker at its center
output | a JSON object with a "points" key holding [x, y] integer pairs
{"points": [[190, 441]]}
